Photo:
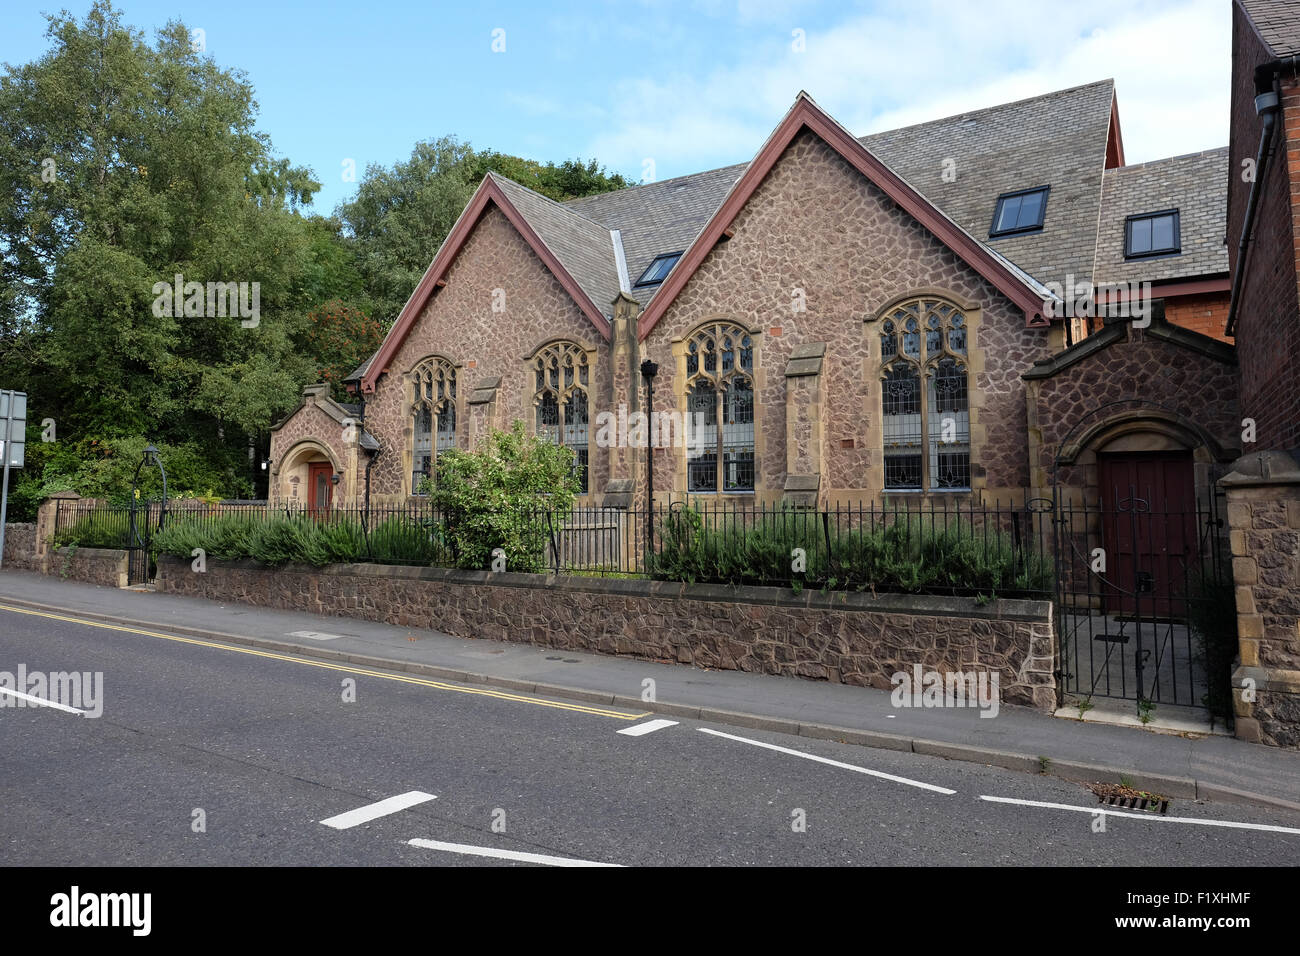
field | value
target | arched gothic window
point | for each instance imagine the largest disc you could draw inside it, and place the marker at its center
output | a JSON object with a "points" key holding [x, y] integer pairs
{"points": [[561, 379], [925, 405], [433, 386], [720, 395]]}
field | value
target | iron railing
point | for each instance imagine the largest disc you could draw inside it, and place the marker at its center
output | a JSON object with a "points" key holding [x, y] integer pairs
{"points": [[931, 547]]}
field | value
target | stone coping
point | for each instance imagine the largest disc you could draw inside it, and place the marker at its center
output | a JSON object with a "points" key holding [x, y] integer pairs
{"points": [[928, 605]]}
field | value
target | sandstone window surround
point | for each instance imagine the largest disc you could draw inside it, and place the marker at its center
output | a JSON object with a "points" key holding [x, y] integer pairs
{"points": [[719, 393], [561, 373], [432, 393], [925, 400]]}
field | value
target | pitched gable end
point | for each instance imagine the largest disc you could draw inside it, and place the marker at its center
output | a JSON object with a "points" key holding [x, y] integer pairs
{"points": [[489, 193], [806, 114]]}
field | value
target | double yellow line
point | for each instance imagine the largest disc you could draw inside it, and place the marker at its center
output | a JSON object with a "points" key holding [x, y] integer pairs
{"points": [[344, 668]]}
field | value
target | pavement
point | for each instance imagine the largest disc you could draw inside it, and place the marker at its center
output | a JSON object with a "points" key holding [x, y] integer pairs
{"points": [[1180, 765]]}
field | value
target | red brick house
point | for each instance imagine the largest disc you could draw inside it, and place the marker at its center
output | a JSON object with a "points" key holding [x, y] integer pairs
{"points": [[899, 317]]}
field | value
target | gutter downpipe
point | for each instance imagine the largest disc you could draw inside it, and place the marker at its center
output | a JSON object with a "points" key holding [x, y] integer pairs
{"points": [[1267, 103]]}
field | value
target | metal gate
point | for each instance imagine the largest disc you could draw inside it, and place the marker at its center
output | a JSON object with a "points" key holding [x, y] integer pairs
{"points": [[1135, 571], [145, 520]]}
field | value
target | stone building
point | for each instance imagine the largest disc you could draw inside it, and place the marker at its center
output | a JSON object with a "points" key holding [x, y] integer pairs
{"points": [[928, 314]]}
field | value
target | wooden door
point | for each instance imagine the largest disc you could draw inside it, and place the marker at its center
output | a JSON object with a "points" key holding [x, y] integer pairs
{"points": [[1149, 530], [320, 486]]}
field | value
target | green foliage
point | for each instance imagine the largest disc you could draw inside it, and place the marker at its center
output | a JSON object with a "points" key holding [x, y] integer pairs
{"points": [[504, 495], [906, 555], [401, 215], [126, 163], [101, 528], [341, 337], [276, 539], [402, 540], [99, 467]]}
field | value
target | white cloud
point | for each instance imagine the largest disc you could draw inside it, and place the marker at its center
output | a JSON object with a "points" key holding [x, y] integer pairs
{"points": [[907, 62]]}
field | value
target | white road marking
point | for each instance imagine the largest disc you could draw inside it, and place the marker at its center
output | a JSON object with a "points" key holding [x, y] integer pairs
{"points": [[649, 727], [315, 635], [504, 854], [833, 763], [1155, 817], [372, 811], [43, 702]]}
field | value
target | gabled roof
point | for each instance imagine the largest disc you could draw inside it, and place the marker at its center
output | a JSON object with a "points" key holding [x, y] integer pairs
{"points": [[1197, 186], [806, 114], [1061, 139], [566, 230], [1277, 22], [343, 413]]}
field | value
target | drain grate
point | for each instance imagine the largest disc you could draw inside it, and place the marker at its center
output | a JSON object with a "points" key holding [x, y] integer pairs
{"points": [[1123, 797]]}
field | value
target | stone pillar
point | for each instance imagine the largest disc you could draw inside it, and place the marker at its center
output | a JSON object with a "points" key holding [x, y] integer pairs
{"points": [[1263, 492], [45, 515], [805, 431], [624, 380]]}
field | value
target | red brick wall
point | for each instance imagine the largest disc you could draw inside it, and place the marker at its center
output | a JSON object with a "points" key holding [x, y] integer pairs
{"points": [[1206, 314], [1268, 313]]}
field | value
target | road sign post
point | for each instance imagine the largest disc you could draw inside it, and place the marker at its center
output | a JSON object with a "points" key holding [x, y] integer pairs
{"points": [[13, 447]]}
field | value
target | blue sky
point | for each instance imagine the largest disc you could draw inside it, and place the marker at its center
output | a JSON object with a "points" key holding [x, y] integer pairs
{"points": [[674, 88]]}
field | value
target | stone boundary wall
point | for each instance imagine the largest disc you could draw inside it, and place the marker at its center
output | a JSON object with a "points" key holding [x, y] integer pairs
{"points": [[20, 546], [106, 567], [848, 638]]}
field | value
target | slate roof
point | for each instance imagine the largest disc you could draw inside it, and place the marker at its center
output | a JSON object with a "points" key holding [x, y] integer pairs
{"points": [[585, 248], [659, 218], [1057, 140], [1278, 23], [1197, 186]]}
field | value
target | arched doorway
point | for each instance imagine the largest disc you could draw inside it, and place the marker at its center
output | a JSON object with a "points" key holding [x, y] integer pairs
{"points": [[307, 476], [1140, 547]]}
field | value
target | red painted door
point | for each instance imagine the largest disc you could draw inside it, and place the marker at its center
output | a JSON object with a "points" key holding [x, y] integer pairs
{"points": [[319, 486], [1149, 528]]}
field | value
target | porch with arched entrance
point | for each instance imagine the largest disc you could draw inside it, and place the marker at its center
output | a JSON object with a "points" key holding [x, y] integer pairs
{"points": [[306, 476]]}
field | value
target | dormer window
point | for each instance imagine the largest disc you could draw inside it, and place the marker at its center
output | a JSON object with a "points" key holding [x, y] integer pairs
{"points": [[1152, 234], [658, 270], [1019, 212]]}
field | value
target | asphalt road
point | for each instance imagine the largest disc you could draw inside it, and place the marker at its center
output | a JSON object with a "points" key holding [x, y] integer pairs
{"points": [[268, 747]]}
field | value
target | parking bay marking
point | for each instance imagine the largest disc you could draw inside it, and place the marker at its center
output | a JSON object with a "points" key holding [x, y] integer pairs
{"points": [[827, 760], [381, 808], [345, 668], [1155, 817], [505, 854], [649, 727]]}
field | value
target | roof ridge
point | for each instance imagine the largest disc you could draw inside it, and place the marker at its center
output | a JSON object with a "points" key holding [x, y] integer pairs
{"points": [[1109, 81], [657, 182], [557, 205]]}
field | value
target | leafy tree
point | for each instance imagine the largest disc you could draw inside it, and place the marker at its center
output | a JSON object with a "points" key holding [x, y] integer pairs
{"points": [[341, 337], [126, 164]]}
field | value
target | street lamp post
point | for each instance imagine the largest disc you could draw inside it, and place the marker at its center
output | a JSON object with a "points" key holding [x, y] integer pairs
{"points": [[649, 370]]}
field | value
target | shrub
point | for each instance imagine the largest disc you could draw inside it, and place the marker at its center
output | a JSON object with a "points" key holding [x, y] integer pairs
{"points": [[902, 556], [101, 528], [505, 495]]}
